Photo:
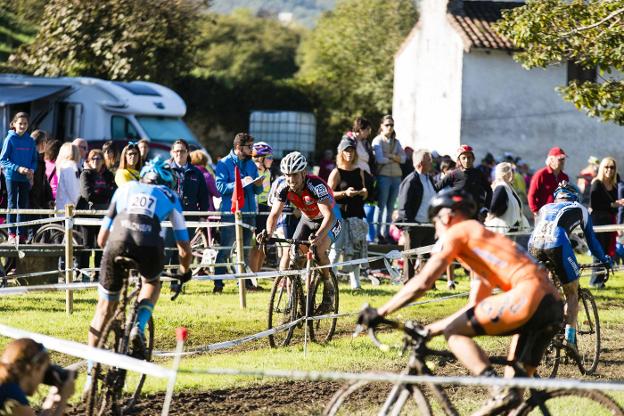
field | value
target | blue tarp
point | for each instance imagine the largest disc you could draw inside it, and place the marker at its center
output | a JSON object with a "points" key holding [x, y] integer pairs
{"points": [[16, 94]]}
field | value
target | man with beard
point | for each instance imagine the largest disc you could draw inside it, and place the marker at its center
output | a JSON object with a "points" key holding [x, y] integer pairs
{"points": [[225, 178]]}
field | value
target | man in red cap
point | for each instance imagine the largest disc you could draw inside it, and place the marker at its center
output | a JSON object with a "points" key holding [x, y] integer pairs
{"points": [[545, 181]]}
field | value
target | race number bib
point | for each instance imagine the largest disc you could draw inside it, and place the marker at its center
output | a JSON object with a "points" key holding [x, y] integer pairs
{"points": [[142, 204]]}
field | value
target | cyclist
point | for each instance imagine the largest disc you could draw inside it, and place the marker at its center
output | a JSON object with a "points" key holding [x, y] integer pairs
{"points": [[131, 228], [529, 304], [320, 220], [551, 244]]}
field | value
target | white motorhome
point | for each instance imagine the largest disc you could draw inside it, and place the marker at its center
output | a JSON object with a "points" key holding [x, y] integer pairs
{"points": [[95, 109]]}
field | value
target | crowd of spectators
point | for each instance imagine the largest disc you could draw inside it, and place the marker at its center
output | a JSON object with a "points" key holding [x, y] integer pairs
{"points": [[382, 188]]}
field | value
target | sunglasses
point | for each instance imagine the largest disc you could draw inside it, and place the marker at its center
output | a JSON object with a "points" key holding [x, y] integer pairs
{"points": [[388, 125], [263, 157], [610, 167], [97, 158]]}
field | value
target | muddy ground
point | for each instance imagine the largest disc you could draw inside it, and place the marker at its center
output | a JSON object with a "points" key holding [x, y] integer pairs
{"points": [[309, 398]]}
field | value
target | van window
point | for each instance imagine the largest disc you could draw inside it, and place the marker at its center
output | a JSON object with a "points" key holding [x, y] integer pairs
{"points": [[122, 128], [166, 129]]}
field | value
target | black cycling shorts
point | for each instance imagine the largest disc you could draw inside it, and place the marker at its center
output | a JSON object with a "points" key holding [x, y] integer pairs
{"points": [[151, 261], [560, 262], [307, 227]]}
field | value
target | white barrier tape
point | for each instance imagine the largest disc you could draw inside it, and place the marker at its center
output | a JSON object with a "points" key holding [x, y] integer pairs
{"points": [[232, 343], [532, 383], [33, 222], [76, 349], [19, 290], [167, 224]]}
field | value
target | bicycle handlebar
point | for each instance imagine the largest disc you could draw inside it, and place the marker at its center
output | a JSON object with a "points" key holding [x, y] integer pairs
{"points": [[415, 332], [601, 265], [273, 240]]}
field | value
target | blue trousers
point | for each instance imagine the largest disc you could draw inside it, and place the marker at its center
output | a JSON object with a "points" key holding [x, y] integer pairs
{"points": [[387, 192], [18, 194], [228, 239]]}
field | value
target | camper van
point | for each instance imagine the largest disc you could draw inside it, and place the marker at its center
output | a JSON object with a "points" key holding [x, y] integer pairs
{"points": [[97, 110]]}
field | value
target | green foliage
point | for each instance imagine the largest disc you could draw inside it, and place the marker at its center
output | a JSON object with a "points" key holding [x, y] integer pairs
{"points": [[242, 48], [114, 39], [26, 10], [587, 32], [305, 12], [347, 62], [13, 33]]}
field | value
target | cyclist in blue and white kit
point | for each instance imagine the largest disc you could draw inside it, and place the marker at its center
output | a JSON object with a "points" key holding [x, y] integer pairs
{"points": [[550, 244], [131, 228]]}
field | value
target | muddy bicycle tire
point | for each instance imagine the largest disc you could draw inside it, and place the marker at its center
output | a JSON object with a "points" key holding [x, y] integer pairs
{"points": [[322, 330], [338, 400], [136, 390], [591, 398], [588, 333], [284, 308]]}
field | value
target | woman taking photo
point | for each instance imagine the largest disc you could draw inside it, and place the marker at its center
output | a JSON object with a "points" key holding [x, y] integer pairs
{"points": [[347, 182], [130, 165], [603, 204], [22, 368]]}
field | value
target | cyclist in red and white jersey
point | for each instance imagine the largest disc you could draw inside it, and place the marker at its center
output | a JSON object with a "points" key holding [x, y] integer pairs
{"points": [[320, 220]]}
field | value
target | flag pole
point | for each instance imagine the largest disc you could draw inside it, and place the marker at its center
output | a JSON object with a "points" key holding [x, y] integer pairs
{"points": [[240, 256]]}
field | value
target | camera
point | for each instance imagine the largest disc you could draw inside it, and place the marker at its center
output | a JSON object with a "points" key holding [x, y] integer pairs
{"points": [[56, 376]]}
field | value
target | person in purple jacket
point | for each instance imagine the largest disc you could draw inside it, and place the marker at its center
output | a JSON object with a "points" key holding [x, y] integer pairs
{"points": [[199, 159], [18, 160]]}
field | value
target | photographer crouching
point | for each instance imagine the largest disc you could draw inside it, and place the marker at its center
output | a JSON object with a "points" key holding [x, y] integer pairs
{"points": [[24, 365]]}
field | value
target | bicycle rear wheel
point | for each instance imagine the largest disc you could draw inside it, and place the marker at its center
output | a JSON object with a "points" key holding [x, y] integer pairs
{"points": [[588, 333], [134, 385], [366, 398], [106, 381], [569, 403], [323, 300], [283, 303]]}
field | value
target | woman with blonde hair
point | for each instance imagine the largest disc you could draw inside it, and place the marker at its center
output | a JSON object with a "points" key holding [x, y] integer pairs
{"points": [[603, 204], [68, 191], [505, 212]]}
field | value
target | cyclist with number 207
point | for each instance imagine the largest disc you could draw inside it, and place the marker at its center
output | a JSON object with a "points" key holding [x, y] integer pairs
{"points": [[529, 304], [320, 220], [131, 228]]}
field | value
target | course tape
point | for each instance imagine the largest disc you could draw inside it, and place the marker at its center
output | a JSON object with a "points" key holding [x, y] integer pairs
{"points": [[532, 383], [83, 351], [20, 290], [33, 222]]}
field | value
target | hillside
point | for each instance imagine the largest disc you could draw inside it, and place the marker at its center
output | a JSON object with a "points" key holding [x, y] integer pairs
{"points": [[305, 12], [13, 33]]}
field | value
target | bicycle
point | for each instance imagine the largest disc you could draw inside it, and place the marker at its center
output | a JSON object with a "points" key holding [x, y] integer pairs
{"points": [[287, 302], [587, 353], [106, 396], [345, 401]]}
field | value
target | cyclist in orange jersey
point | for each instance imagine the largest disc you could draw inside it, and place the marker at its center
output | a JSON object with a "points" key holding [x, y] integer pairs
{"points": [[529, 303]]}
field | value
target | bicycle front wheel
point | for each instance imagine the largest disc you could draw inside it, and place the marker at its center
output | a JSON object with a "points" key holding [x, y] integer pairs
{"points": [[588, 333], [570, 403], [283, 303], [323, 300], [366, 398], [552, 358]]}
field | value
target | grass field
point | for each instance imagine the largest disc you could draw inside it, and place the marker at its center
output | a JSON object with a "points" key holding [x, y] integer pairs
{"points": [[214, 318]]}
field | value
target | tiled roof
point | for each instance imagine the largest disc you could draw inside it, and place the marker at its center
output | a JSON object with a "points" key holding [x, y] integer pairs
{"points": [[473, 20]]}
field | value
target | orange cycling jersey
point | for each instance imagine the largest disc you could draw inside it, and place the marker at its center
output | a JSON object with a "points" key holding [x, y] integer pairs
{"points": [[492, 256]]}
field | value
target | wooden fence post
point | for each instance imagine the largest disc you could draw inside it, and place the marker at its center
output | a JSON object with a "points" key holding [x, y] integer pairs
{"points": [[69, 257]]}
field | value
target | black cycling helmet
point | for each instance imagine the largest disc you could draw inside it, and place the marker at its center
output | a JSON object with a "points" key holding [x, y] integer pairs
{"points": [[453, 199]]}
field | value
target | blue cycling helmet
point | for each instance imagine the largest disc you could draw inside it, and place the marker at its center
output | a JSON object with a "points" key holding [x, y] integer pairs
{"points": [[157, 172], [566, 191], [261, 149]]}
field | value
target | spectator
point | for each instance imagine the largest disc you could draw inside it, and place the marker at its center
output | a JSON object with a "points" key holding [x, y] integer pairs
{"points": [[407, 167], [190, 184], [83, 149], [465, 176], [199, 159], [262, 154], [40, 193], [239, 156], [97, 185], [144, 150], [50, 154], [361, 132], [68, 191], [23, 365], [604, 203], [389, 155], [446, 166], [129, 166], [19, 160], [111, 157], [347, 182], [415, 192], [326, 165], [545, 181], [487, 165], [505, 211], [585, 178]]}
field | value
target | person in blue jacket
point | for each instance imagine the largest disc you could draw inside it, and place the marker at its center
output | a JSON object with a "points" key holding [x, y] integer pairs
{"points": [[225, 178], [18, 159]]}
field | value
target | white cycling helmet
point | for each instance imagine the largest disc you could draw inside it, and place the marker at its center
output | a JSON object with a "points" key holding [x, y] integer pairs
{"points": [[292, 163]]}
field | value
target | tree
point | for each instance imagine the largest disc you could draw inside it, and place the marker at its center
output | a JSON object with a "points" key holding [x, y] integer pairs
{"points": [[347, 61], [114, 39], [588, 33], [242, 47]]}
